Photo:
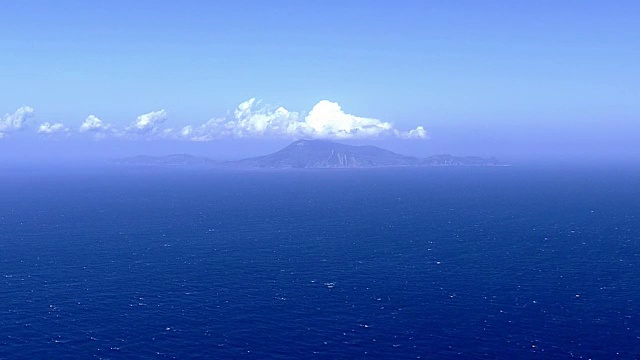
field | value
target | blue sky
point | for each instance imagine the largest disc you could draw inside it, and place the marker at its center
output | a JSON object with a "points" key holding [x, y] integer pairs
{"points": [[489, 77]]}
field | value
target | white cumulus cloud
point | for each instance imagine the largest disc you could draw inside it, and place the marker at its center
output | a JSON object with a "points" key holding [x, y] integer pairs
{"points": [[325, 120], [148, 123], [15, 121], [49, 128], [417, 133], [93, 123], [249, 120]]}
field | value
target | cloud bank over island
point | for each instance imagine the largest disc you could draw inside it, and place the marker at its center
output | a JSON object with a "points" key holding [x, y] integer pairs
{"points": [[251, 119]]}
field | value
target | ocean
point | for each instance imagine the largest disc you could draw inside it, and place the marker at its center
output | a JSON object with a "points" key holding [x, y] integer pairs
{"points": [[432, 263]]}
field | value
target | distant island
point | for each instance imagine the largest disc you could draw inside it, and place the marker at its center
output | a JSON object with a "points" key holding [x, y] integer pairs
{"points": [[318, 154]]}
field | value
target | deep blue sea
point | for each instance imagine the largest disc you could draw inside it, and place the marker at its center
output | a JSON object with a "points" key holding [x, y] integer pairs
{"points": [[433, 263]]}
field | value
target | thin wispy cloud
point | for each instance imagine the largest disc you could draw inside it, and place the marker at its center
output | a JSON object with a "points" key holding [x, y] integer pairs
{"points": [[251, 119]]}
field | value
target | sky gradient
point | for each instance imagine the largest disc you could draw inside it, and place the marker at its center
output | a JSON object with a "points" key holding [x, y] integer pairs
{"points": [[505, 78]]}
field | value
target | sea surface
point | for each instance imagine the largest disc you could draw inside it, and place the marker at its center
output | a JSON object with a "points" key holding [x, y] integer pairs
{"points": [[431, 263]]}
